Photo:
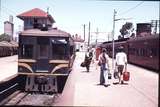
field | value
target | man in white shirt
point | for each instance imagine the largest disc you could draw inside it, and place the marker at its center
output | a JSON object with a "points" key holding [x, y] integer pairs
{"points": [[121, 63]]}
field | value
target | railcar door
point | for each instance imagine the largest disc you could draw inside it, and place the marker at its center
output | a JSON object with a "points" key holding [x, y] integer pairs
{"points": [[43, 55]]}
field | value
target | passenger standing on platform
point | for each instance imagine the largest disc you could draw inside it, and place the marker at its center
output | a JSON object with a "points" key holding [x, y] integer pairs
{"points": [[88, 59], [121, 63], [104, 67], [94, 55]]}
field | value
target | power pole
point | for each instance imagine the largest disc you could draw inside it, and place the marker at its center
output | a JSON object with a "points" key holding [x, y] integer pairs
{"points": [[89, 35], [114, 14], [155, 24], [0, 9], [108, 36], [97, 36], [84, 30]]}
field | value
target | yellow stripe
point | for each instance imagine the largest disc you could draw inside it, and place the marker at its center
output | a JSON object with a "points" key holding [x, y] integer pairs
{"points": [[59, 67], [42, 74], [27, 60], [59, 61], [26, 66]]}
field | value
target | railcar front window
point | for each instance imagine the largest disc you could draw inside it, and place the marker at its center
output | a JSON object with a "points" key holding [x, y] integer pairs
{"points": [[59, 49]]}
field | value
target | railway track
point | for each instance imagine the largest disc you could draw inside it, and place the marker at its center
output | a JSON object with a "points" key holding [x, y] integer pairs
{"points": [[32, 99], [11, 94]]}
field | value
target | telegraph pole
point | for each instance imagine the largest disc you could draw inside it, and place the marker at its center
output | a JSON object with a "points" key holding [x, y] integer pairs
{"points": [[108, 36], [84, 30], [89, 35], [0, 9], [97, 36], [114, 14]]}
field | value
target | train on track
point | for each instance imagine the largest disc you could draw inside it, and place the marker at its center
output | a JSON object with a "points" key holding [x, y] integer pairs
{"points": [[142, 50], [45, 59], [8, 48]]}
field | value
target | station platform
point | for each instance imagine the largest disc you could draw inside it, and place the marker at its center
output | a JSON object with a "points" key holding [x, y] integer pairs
{"points": [[8, 66], [82, 89]]}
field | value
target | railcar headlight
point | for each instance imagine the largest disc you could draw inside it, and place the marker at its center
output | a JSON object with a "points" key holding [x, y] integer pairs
{"points": [[20, 69]]}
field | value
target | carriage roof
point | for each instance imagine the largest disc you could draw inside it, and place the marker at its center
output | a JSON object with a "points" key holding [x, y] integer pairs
{"points": [[155, 36], [50, 32]]}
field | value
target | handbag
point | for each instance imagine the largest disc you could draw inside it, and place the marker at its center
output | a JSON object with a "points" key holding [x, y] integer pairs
{"points": [[99, 63], [83, 64]]}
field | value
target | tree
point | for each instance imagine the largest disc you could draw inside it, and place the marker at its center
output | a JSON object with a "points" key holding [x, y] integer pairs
{"points": [[126, 29], [4, 37]]}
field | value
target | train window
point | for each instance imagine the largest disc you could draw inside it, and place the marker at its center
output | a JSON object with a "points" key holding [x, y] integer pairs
{"points": [[153, 52], [132, 51], [27, 51], [137, 52], [59, 51], [59, 48], [142, 52], [43, 52]]}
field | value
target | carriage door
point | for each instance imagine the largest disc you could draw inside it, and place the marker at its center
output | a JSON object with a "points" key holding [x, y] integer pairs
{"points": [[43, 55]]}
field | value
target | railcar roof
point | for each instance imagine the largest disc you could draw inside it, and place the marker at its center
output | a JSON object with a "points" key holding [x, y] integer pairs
{"points": [[120, 40], [49, 32], [156, 36]]}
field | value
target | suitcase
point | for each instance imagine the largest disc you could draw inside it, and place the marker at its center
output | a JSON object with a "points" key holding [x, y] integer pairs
{"points": [[126, 76], [109, 76]]}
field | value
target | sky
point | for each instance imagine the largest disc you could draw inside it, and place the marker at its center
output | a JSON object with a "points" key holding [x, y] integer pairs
{"points": [[71, 15]]}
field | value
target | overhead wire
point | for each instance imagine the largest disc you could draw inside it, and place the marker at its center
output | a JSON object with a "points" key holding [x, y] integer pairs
{"points": [[9, 11], [131, 8]]}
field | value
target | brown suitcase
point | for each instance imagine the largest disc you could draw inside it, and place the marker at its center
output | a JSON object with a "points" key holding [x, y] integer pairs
{"points": [[126, 76]]}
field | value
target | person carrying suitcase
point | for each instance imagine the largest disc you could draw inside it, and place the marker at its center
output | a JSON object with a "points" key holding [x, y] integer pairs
{"points": [[121, 63], [88, 59]]}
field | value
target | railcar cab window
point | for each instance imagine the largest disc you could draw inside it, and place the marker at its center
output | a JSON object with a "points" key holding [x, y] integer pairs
{"points": [[27, 51], [59, 48]]}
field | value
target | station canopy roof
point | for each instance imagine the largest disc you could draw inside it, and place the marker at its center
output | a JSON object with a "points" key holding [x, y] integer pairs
{"points": [[8, 44]]}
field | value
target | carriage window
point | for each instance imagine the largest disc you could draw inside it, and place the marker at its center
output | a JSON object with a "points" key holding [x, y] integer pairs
{"points": [[137, 52], [27, 51], [43, 51], [132, 51], [153, 52]]}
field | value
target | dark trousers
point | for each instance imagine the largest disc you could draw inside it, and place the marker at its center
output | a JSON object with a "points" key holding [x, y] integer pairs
{"points": [[102, 78], [102, 81]]}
